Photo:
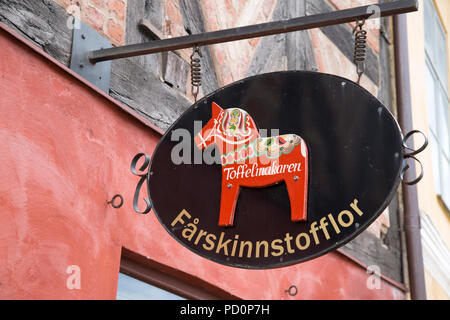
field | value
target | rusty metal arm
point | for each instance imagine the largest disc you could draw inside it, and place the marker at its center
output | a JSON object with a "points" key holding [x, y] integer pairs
{"points": [[253, 31]]}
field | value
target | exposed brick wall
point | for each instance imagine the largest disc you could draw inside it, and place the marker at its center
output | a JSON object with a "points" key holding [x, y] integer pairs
{"points": [[373, 33], [173, 20], [233, 59], [108, 17]]}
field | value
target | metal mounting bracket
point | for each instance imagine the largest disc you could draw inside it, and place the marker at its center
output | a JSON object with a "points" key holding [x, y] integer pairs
{"points": [[253, 31], [86, 39]]}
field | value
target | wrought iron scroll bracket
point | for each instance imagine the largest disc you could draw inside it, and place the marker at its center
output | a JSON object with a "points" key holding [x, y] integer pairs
{"points": [[144, 178], [409, 153]]}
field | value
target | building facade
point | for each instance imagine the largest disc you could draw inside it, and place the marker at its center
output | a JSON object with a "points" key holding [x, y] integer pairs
{"points": [[68, 148], [429, 56]]}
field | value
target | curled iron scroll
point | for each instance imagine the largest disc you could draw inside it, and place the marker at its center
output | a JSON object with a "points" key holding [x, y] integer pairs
{"points": [[144, 177], [409, 153]]}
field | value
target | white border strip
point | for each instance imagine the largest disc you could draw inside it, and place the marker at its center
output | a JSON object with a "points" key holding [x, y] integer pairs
{"points": [[436, 254]]}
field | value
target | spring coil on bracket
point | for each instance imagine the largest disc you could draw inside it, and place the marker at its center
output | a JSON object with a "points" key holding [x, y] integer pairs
{"points": [[409, 153], [196, 72], [359, 56]]}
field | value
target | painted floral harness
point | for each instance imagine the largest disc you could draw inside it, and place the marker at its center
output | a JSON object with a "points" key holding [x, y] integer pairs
{"points": [[234, 122]]}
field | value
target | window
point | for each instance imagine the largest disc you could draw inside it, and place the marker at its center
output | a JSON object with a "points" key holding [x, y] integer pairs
{"points": [[132, 289], [437, 100], [141, 278]]}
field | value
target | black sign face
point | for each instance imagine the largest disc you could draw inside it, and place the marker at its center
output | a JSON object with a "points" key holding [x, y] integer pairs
{"points": [[224, 205]]}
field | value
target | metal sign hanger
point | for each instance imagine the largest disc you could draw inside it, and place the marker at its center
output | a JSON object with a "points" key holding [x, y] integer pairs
{"points": [[91, 56], [253, 31]]}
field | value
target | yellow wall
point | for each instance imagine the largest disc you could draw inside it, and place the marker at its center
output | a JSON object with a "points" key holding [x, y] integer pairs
{"points": [[434, 290], [428, 201]]}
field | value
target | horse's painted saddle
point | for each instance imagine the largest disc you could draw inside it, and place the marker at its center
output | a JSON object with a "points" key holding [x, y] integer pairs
{"points": [[271, 147], [274, 147]]}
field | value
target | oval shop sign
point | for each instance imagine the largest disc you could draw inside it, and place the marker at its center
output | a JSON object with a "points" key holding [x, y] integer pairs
{"points": [[276, 169]]}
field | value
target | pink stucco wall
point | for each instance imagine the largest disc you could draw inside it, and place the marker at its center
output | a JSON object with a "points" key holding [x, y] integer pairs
{"points": [[65, 150]]}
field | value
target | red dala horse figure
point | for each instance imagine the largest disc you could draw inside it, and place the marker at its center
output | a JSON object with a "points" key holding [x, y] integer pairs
{"points": [[251, 161]]}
